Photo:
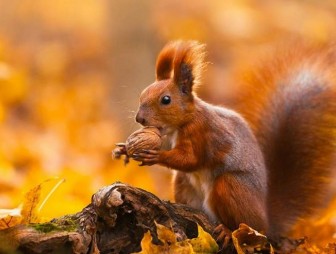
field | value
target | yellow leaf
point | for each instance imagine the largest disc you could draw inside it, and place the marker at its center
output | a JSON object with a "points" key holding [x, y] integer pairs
{"points": [[28, 211], [29, 205], [204, 243], [147, 246], [166, 235], [247, 240], [10, 217], [168, 238]]}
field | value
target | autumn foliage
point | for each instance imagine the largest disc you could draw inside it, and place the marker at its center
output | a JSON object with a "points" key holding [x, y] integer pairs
{"points": [[71, 73]]}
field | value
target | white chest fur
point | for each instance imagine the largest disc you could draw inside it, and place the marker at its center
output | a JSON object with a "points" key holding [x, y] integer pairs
{"points": [[201, 181], [171, 139]]}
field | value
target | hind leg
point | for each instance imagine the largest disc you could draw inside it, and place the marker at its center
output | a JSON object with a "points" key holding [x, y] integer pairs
{"points": [[185, 193], [235, 202]]}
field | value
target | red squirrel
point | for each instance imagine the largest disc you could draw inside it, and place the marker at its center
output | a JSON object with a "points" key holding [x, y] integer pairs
{"points": [[266, 164]]}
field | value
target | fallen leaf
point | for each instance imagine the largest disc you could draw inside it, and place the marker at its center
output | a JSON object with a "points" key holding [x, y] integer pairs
{"points": [[248, 240], [29, 207], [204, 243], [10, 217], [33, 202]]}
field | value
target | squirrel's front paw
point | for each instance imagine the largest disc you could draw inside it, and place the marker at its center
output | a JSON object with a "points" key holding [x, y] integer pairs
{"points": [[147, 157]]}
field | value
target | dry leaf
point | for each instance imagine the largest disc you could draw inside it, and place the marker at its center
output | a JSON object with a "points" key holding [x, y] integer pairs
{"points": [[247, 240], [28, 211], [204, 243], [29, 206], [10, 217]]}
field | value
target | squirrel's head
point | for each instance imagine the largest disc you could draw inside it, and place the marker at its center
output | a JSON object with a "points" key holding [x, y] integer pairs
{"points": [[168, 103]]}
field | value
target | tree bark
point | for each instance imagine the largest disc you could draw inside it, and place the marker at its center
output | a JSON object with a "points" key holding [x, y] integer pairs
{"points": [[114, 222]]}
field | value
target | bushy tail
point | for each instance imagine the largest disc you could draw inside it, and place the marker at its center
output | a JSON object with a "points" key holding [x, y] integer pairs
{"points": [[290, 102]]}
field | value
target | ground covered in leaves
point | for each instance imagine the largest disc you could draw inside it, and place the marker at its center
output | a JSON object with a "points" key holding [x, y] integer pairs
{"points": [[70, 77], [128, 219]]}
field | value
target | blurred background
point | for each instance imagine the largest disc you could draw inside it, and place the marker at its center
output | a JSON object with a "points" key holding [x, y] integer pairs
{"points": [[71, 73]]}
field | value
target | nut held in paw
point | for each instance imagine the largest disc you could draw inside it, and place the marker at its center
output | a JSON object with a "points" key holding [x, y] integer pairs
{"points": [[145, 138]]}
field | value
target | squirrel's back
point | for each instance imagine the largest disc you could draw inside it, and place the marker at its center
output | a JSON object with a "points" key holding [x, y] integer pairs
{"points": [[290, 103]]}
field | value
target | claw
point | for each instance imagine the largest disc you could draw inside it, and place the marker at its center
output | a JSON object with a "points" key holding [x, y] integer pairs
{"points": [[126, 160], [147, 157], [137, 158], [224, 236], [152, 152]]}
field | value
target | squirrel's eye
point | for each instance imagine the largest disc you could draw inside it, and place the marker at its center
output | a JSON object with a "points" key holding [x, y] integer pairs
{"points": [[165, 100]]}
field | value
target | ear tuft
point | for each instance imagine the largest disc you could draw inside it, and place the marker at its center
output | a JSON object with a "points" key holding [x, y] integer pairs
{"points": [[184, 60], [164, 62], [186, 78], [188, 65]]}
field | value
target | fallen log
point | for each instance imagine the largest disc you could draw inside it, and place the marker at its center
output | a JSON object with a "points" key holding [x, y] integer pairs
{"points": [[115, 222]]}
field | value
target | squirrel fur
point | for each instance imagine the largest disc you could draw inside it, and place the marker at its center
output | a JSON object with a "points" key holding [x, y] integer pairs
{"points": [[268, 162]]}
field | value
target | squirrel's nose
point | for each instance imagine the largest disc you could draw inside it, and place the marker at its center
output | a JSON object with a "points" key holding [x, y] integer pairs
{"points": [[140, 119]]}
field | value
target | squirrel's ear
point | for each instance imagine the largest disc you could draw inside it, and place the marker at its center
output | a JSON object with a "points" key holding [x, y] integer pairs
{"points": [[188, 65], [164, 62]]}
